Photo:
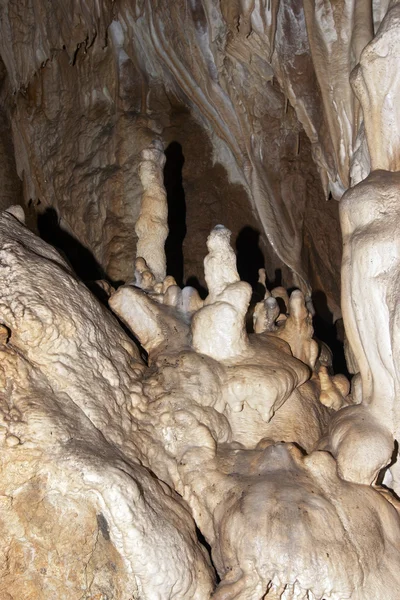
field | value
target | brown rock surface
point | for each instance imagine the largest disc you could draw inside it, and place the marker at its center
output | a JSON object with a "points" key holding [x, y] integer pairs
{"points": [[90, 82]]}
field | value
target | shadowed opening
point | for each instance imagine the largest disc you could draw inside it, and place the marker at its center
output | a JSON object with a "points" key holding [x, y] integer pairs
{"points": [[80, 258], [176, 211]]}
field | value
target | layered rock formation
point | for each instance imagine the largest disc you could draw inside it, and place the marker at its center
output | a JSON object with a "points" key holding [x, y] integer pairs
{"points": [[89, 88]]}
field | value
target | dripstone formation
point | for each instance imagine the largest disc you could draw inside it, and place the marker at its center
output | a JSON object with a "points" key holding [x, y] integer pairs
{"points": [[190, 437]]}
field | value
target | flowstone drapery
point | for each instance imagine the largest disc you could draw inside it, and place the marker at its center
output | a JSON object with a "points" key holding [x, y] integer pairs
{"points": [[172, 445], [80, 514], [247, 436]]}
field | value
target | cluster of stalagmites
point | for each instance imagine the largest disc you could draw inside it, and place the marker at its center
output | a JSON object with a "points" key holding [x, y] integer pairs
{"points": [[108, 464]]}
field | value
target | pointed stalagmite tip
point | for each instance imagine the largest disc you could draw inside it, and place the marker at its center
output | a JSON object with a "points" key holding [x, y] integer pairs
{"points": [[17, 211]]}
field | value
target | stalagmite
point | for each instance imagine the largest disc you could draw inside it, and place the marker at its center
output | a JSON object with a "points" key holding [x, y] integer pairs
{"points": [[369, 221], [176, 418], [265, 315], [219, 445], [334, 390], [298, 331], [369, 215], [151, 226], [220, 263]]}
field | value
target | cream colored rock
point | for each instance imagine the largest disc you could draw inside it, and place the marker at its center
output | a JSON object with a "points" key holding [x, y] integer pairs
{"points": [[162, 74], [151, 226], [254, 381], [262, 279], [82, 508], [220, 264], [90, 437], [280, 292], [262, 394], [337, 34], [155, 325], [80, 514], [360, 444], [190, 300], [219, 329], [187, 301], [260, 375], [17, 212], [369, 218], [265, 315], [334, 390], [297, 330], [209, 423], [376, 82], [280, 522], [168, 282]]}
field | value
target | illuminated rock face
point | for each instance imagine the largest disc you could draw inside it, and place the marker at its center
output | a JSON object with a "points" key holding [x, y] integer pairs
{"points": [[96, 444], [199, 446], [190, 75], [70, 378]]}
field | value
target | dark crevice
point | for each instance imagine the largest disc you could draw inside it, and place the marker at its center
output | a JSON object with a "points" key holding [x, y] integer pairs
{"points": [[79, 257], [277, 282], [382, 473], [327, 331], [176, 211], [82, 262], [142, 352], [195, 283], [249, 255], [103, 526], [202, 540]]}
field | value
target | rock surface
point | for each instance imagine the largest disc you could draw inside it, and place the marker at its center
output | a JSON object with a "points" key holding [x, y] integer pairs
{"points": [[222, 429], [201, 445], [92, 86], [69, 379]]}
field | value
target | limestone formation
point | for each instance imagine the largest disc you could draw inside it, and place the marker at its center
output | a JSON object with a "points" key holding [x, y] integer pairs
{"points": [[376, 83], [369, 214], [131, 73], [151, 226], [80, 513], [218, 415], [199, 227], [232, 440]]}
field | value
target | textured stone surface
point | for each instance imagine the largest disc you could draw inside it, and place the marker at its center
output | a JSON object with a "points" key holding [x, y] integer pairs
{"points": [[69, 383], [202, 446], [10, 184], [370, 216], [278, 520], [89, 85], [100, 443], [376, 84]]}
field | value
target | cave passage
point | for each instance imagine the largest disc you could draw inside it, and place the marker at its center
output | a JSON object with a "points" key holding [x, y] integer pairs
{"points": [[249, 256]]}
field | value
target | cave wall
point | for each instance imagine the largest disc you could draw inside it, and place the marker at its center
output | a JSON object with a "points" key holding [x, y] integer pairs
{"points": [[174, 451], [10, 184], [91, 84]]}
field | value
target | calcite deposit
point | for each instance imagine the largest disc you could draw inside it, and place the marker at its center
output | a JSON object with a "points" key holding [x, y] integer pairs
{"points": [[232, 422], [81, 516], [199, 222]]}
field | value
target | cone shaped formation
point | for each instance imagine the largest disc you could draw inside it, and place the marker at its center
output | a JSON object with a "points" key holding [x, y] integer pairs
{"points": [[265, 447]]}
